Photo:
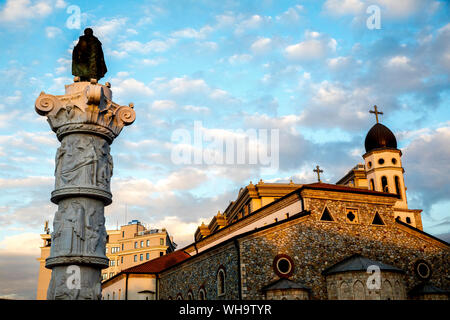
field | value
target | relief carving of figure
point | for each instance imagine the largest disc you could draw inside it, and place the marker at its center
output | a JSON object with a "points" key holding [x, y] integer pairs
{"points": [[77, 220], [105, 169], [79, 164], [58, 226], [92, 231]]}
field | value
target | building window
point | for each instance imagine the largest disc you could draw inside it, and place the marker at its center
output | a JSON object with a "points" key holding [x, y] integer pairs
{"points": [[408, 220], [147, 255], [135, 257], [161, 241], [106, 249], [122, 246], [161, 253], [108, 296], [123, 234], [201, 294], [326, 215], [369, 164], [119, 294], [381, 161], [114, 295], [283, 265], [121, 260], [352, 215], [104, 276], [372, 185], [394, 161], [142, 244], [384, 184], [141, 257], [112, 263], [179, 296], [148, 243], [190, 296], [221, 282], [397, 187], [287, 215], [135, 244], [111, 274], [377, 220]]}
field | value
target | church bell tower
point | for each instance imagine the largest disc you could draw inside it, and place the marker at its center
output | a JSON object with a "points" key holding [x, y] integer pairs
{"points": [[383, 163]]}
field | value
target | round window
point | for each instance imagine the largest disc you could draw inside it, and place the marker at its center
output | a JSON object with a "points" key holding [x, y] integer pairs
{"points": [[394, 161], [423, 270], [380, 161], [283, 265]]}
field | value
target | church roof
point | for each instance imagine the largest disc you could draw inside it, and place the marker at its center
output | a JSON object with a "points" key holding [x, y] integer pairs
{"points": [[357, 262], [335, 187], [284, 284], [159, 264], [426, 288], [379, 136]]}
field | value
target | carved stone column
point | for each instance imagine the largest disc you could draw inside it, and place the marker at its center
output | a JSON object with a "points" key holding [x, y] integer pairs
{"points": [[86, 122]]}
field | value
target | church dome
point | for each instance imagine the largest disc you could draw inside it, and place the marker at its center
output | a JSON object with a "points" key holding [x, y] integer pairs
{"points": [[379, 136]]}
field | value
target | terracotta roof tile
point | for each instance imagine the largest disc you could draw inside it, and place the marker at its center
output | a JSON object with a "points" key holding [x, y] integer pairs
{"points": [[159, 264]]}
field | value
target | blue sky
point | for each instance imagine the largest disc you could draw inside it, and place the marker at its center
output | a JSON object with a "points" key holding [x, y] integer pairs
{"points": [[310, 69]]}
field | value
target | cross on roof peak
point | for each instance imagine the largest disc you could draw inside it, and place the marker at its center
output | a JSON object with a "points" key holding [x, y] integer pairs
{"points": [[376, 112], [319, 171]]}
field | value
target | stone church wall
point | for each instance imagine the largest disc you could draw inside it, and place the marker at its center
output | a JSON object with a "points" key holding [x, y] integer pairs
{"points": [[201, 272], [315, 245]]}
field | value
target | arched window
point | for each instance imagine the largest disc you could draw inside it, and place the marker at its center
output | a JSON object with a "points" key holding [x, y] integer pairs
{"points": [[179, 296], [384, 184], [108, 296], [190, 296], [114, 295], [119, 294], [220, 282], [397, 187], [372, 185], [201, 294]]}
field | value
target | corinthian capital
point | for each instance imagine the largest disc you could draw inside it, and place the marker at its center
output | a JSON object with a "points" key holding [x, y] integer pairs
{"points": [[85, 107]]}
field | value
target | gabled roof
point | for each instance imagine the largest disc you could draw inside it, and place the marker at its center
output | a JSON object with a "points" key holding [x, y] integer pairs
{"points": [[284, 284], [357, 262], [334, 187], [426, 288], [158, 264]]}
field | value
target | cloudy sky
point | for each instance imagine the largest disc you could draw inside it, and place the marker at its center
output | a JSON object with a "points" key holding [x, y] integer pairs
{"points": [[310, 70]]}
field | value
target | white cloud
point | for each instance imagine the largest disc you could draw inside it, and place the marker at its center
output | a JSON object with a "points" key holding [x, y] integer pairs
{"points": [[25, 243], [262, 45], [343, 7], [52, 32], [19, 10], [251, 23], [130, 87], [240, 58], [192, 33], [150, 46], [28, 182], [315, 46], [183, 232], [108, 29], [153, 62], [60, 4], [291, 15], [164, 105], [306, 50], [196, 108]]}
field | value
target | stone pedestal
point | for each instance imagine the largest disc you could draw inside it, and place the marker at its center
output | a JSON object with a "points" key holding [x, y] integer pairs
{"points": [[86, 121]]}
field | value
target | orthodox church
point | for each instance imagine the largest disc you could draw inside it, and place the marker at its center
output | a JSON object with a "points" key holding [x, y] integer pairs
{"points": [[356, 239]]}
